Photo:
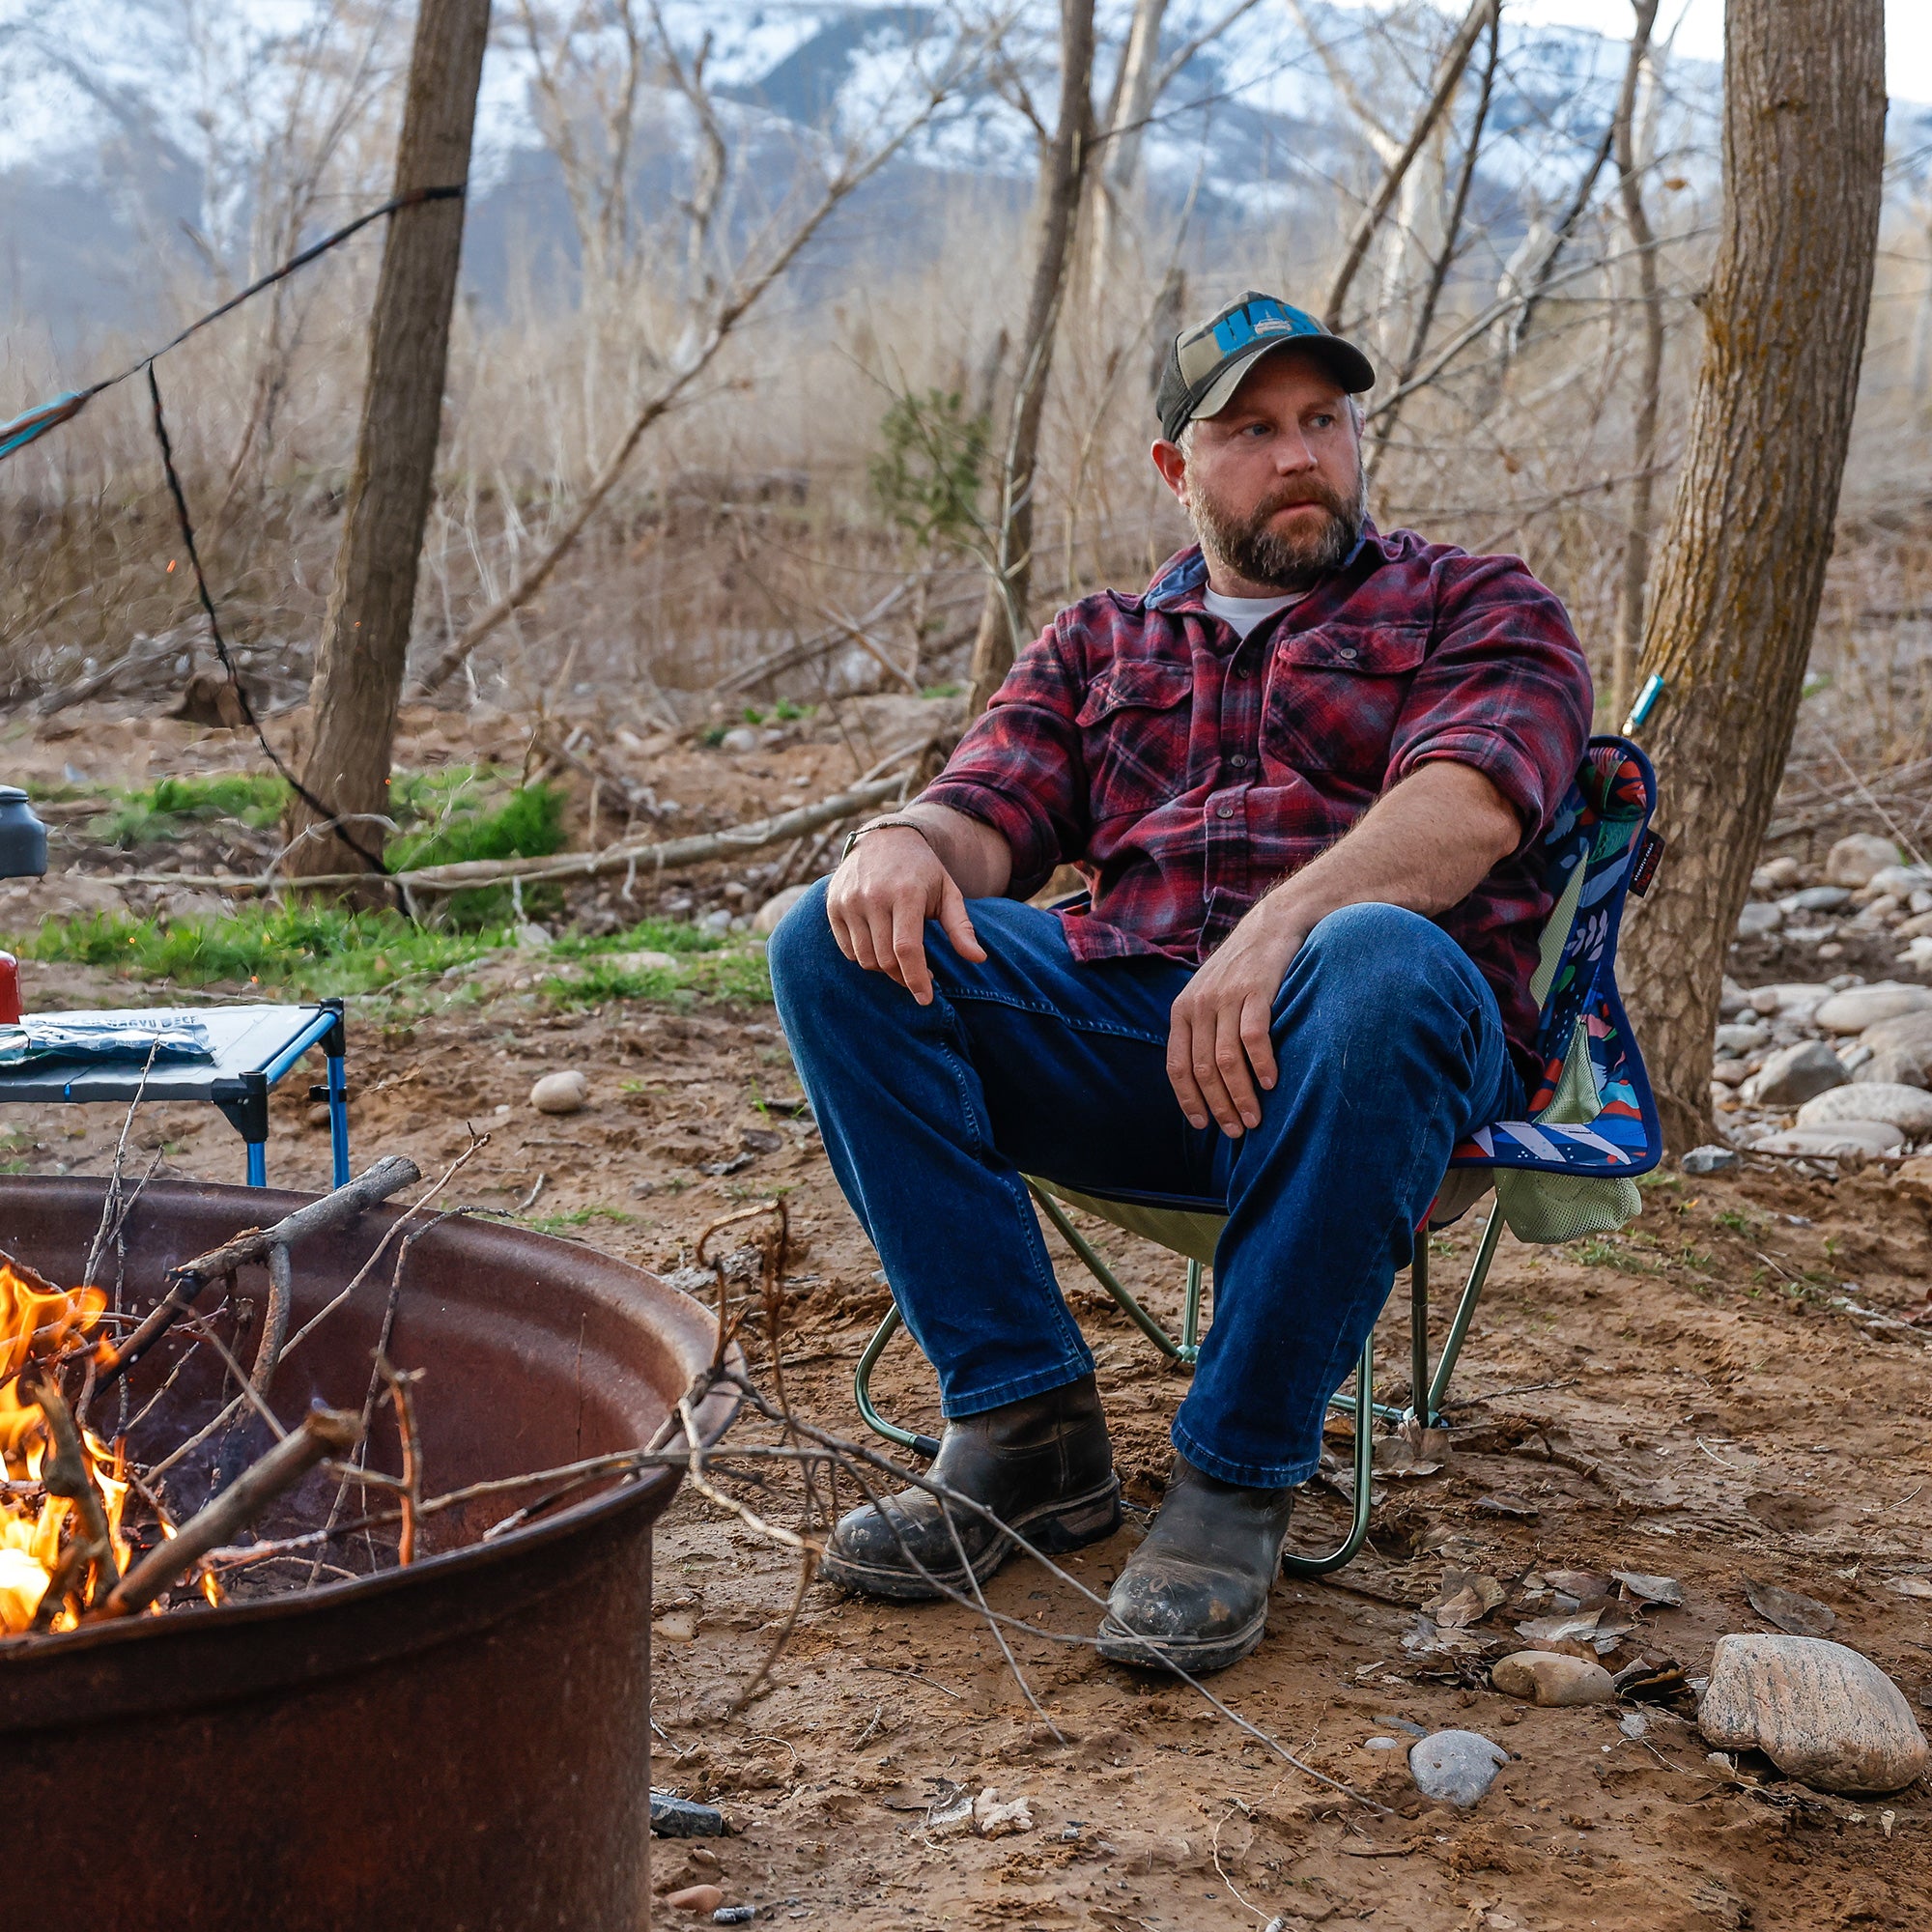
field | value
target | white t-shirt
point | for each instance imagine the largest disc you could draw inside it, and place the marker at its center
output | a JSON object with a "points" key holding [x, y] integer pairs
{"points": [[1248, 614]]}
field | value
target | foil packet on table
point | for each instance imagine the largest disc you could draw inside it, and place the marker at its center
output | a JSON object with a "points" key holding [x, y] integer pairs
{"points": [[129, 1037]]}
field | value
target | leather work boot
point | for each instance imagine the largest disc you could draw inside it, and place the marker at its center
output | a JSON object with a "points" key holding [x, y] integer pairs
{"points": [[1198, 1587], [1042, 1465]]}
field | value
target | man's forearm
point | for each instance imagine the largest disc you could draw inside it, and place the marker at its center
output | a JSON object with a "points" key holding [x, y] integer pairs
{"points": [[1426, 846], [978, 857]]}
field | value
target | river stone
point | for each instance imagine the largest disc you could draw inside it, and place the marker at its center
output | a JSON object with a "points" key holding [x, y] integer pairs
{"points": [[1549, 1677], [1456, 1767], [1829, 1142], [1795, 1000], [1794, 1075], [765, 921], [560, 1092], [1711, 1159], [1758, 917], [1819, 1711], [1816, 898], [1902, 881], [1858, 1008], [1853, 861], [1900, 1049], [1909, 1109], [1775, 875]]}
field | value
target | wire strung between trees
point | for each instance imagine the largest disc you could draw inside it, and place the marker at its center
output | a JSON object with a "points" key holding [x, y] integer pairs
{"points": [[335, 822], [26, 429]]}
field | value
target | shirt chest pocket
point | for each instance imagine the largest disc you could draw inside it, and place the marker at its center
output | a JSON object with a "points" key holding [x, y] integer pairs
{"points": [[1133, 736], [1335, 696]]}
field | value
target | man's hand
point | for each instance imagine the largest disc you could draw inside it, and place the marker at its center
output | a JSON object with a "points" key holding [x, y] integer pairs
{"points": [[879, 902], [1426, 844], [1218, 1045]]}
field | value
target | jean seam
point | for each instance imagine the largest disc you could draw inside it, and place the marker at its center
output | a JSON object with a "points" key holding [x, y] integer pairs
{"points": [[1053, 1012], [1009, 1183]]}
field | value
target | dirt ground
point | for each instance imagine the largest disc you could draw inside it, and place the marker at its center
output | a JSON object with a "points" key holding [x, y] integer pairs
{"points": [[1727, 1392]]}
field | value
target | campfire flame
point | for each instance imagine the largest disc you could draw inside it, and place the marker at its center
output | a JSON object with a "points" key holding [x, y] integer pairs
{"points": [[37, 1321]]}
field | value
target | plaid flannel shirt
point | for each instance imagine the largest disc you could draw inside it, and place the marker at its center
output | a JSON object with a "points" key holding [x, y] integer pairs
{"points": [[1186, 771]]}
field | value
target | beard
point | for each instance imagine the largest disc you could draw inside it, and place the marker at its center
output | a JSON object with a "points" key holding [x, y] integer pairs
{"points": [[1289, 560]]}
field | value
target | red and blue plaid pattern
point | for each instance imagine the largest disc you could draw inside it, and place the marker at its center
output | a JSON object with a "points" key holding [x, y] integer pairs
{"points": [[1186, 771]]}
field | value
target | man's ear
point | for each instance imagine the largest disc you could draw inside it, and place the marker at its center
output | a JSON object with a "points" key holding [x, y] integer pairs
{"points": [[1171, 460]]}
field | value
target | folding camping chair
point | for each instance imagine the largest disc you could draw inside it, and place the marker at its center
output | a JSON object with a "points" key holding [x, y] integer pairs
{"points": [[1565, 1171]]}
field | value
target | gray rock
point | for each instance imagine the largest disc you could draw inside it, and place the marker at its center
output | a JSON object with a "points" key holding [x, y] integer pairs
{"points": [[1456, 1767], [675, 1817], [1793, 1000], [1860, 1007], [1819, 1711], [718, 923], [1898, 1044], [1901, 881], [1894, 1066], [774, 909], [1816, 898], [532, 937], [1793, 1074], [1841, 1137], [740, 738], [734, 1914], [1909, 1109], [1711, 1160], [1916, 926], [1726, 1073], [1854, 861], [1758, 917], [1775, 875], [1738, 1038]]}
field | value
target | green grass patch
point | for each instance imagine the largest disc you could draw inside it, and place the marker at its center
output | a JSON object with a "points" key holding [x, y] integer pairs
{"points": [[1600, 1253], [576, 1217], [727, 974], [305, 952], [166, 809], [527, 825]]}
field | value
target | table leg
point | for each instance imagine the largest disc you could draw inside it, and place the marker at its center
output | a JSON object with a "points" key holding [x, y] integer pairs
{"points": [[258, 1163], [338, 1115]]}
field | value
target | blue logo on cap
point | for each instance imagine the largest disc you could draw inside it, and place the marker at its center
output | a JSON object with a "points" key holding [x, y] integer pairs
{"points": [[1267, 317]]}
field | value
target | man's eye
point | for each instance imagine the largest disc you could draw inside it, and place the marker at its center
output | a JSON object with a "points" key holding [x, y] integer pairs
{"points": [[1325, 422]]}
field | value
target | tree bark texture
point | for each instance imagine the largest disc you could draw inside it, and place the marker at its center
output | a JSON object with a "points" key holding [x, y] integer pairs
{"points": [[359, 677], [1003, 616], [1650, 369], [1742, 565]]}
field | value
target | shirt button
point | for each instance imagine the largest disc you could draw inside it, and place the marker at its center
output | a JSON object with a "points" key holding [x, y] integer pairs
{"points": [[1348, 652], [1238, 760], [1224, 812]]}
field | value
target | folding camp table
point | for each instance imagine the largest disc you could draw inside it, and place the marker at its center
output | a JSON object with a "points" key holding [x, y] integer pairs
{"points": [[251, 1049]]}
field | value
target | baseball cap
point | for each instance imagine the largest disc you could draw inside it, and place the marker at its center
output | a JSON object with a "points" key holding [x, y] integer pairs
{"points": [[1206, 365]]}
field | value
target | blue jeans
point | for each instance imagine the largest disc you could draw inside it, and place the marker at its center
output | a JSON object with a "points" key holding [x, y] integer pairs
{"points": [[1390, 1048]]}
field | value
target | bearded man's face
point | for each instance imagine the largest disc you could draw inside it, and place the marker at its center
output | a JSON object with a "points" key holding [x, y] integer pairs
{"points": [[1262, 544], [1273, 484]]}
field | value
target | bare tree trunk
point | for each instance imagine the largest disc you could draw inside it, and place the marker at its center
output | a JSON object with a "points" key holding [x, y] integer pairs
{"points": [[1448, 77], [1650, 369], [1742, 566], [359, 677], [1445, 256], [1127, 110], [1003, 618]]}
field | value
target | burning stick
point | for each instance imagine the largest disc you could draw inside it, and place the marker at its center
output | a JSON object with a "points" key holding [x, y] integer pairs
{"points": [[323, 1433], [68, 1472], [255, 1244]]}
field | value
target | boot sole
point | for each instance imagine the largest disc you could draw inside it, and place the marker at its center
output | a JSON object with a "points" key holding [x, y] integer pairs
{"points": [[1055, 1529], [1197, 1656]]}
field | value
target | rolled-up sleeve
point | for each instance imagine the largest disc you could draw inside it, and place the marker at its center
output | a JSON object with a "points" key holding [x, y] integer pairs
{"points": [[1018, 768], [1505, 689]]}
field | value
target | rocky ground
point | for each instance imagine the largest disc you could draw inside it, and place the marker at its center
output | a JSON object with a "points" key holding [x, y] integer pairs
{"points": [[1726, 1396]]}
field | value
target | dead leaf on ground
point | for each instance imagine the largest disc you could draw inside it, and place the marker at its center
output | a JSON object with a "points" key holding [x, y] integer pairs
{"points": [[1504, 1503], [1645, 1589], [1912, 1587], [1582, 1584], [1467, 1597], [1577, 1625], [1791, 1610]]}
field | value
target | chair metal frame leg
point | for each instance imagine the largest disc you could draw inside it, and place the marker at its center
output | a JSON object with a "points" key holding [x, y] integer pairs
{"points": [[1432, 1387]]}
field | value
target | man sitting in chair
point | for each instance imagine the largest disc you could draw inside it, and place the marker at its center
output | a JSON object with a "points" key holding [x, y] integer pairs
{"points": [[1304, 775]]}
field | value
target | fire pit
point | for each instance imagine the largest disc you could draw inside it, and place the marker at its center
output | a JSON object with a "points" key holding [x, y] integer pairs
{"points": [[461, 1742]]}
